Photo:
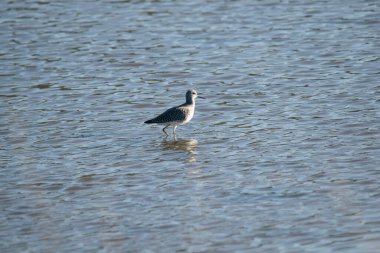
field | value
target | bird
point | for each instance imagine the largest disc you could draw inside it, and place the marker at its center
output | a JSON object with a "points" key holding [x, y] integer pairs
{"points": [[177, 115]]}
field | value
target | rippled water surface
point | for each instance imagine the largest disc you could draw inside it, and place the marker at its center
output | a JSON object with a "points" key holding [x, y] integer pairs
{"points": [[283, 156]]}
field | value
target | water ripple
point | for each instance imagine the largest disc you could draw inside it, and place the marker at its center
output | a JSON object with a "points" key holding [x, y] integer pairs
{"points": [[282, 156]]}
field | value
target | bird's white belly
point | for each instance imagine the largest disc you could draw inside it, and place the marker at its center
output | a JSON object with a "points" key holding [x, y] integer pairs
{"points": [[188, 118]]}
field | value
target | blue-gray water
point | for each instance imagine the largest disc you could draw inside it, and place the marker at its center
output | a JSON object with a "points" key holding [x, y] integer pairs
{"points": [[283, 156]]}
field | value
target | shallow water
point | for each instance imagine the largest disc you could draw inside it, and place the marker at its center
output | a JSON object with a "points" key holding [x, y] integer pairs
{"points": [[283, 156]]}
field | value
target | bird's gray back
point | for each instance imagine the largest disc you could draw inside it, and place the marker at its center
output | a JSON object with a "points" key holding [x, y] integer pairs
{"points": [[175, 114]]}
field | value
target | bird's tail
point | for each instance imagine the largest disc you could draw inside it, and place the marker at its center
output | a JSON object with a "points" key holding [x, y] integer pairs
{"points": [[149, 121]]}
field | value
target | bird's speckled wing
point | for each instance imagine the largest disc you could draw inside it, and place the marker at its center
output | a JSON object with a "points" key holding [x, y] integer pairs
{"points": [[170, 115]]}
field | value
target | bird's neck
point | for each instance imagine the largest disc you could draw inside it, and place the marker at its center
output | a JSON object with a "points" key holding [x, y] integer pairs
{"points": [[190, 101]]}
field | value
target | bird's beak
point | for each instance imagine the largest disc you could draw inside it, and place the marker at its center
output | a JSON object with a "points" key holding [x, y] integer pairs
{"points": [[201, 97]]}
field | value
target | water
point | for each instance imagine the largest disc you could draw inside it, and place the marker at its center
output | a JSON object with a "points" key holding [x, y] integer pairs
{"points": [[283, 156]]}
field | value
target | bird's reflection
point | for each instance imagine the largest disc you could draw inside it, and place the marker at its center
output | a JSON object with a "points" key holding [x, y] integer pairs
{"points": [[188, 146]]}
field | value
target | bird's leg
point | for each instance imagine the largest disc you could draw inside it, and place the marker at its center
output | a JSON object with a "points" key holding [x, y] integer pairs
{"points": [[174, 127], [165, 131]]}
